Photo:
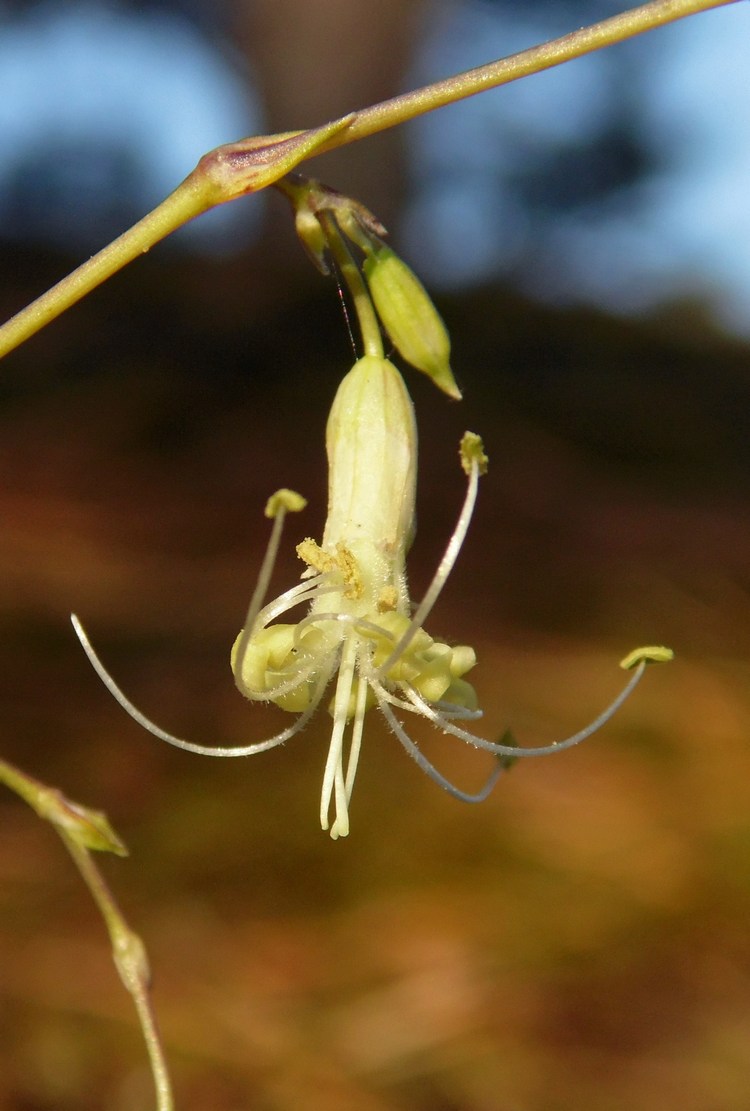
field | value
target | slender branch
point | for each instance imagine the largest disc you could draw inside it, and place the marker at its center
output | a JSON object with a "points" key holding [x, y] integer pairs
{"points": [[83, 829], [186, 202], [252, 164], [617, 28], [221, 175], [131, 961], [369, 328]]}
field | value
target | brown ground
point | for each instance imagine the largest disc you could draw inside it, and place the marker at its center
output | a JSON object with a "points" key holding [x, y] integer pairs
{"points": [[581, 940]]}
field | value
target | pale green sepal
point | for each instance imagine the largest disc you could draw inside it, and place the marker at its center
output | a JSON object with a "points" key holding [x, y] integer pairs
{"points": [[371, 441], [652, 654], [410, 318]]}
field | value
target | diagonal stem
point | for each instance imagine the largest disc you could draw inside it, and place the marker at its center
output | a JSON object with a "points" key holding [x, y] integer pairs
{"points": [[617, 28], [81, 830], [252, 164], [131, 961]]}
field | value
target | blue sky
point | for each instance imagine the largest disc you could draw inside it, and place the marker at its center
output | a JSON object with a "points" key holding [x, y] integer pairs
{"points": [[81, 74], [685, 232]]}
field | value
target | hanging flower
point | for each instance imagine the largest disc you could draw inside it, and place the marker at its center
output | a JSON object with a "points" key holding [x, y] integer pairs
{"points": [[360, 636]]}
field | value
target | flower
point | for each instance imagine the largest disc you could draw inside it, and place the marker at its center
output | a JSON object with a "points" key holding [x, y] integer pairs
{"points": [[359, 632], [359, 623]]}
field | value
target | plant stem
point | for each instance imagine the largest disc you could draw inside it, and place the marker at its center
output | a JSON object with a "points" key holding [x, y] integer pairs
{"points": [[221, 175], [82, 829], [251, 164], [372, 340], [179, 207], [618, 28], [131, 961]]}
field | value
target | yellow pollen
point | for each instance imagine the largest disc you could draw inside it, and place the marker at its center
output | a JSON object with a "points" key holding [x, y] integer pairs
{"points": [[313, 555], [343, 561], [388, 599]]}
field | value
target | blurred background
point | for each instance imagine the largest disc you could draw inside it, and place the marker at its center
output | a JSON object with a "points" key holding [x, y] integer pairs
{"points": [[581, 939]]}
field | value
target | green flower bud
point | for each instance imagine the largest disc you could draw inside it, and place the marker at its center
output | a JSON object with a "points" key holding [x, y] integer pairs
{"points": [[410, 318]]}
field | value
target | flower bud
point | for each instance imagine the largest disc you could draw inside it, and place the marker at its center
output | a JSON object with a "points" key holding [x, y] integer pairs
{"points": [[410, 318]]}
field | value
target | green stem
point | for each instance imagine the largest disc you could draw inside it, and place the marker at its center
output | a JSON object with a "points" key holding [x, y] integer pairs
{"points": [[23, 785], [82, 829], [618, 28], [189, 199], [251, 164], [372, 340], [131, 961], [221, 175]]}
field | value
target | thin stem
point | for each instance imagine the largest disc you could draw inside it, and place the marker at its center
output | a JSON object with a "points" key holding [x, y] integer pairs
{"points": [[372, 340], [222, 175], [81, 830], [188, 746], [608, 32], [189, 199], [251, 164], [22, 784], [131, 961]]}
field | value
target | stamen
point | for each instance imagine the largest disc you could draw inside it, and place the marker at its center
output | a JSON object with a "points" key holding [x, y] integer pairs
{"points": [[277, 506], [340, 826], [360, 623], [443, 571], [189, 746], [451, 711], [384, 695], [426, 710], [356, 741], [430, 769], [295, 596]]}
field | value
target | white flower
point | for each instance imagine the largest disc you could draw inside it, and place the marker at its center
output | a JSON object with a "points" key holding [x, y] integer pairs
{"points": [[359, 626]]}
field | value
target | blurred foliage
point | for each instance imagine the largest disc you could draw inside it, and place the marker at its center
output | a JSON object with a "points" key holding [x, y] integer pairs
{"points": [[581, 939]]}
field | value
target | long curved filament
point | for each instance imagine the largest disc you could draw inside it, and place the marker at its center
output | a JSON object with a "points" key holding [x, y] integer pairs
{"points": [[440, 577], [179, 742], [422, 707], [430, 770]]}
